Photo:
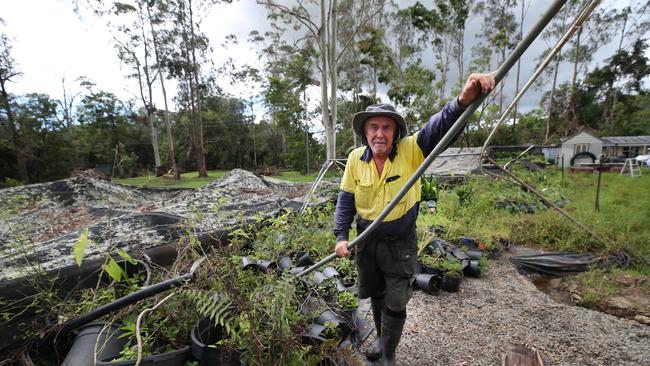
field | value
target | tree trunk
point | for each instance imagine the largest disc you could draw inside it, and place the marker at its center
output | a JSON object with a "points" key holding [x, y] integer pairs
{"points": [[571, 117], [203, 172], [329, 131], [551, 101], [333, 76], [21, 160], [170, 140]]}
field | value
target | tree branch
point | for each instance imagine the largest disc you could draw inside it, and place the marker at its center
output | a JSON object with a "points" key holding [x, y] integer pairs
{"points": [[356, 31], [302, 19]]}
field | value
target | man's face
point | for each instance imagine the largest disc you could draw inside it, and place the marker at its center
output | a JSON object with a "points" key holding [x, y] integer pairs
{"points": [[380, 132]]}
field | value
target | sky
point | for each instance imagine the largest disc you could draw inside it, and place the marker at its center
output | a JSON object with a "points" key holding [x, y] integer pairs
{"points": [[51, 42]]}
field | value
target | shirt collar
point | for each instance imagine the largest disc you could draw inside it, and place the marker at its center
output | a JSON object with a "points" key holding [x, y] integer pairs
{"points": [[367, 154]]}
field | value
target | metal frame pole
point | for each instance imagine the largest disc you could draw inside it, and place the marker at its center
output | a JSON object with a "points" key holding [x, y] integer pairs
{"points": [[453, 131]]}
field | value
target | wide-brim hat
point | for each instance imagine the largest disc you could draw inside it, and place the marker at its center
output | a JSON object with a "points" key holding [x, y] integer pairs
{"points": [[381, 109]]}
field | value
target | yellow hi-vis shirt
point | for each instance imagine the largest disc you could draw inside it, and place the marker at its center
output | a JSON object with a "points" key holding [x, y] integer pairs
{"points": [[372, 193]]}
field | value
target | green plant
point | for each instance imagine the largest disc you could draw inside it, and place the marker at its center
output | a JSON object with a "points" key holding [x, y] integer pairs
{"points": [[347, 300], [429, 187], [452, 268], [483, 264], [431, 261], [347, 269]]}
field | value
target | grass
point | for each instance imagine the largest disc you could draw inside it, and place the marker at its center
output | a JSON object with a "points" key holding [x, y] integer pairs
{"points": [[188, 180], [621, 225], [192, 180], [294, 176]]}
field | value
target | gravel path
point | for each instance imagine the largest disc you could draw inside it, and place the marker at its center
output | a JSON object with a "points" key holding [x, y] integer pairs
{"points": [[473, 326]]}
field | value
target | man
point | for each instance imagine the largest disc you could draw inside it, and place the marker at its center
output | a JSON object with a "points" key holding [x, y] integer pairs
{"points": [[374, 174]]}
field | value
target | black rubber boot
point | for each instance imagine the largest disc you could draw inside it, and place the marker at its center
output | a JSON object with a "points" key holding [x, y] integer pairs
{"points": [[391, 332], [374, 350]]}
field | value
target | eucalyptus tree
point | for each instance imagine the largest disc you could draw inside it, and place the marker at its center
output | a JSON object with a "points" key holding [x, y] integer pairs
{"points": [[107, 132], [499, 31], [634, 21], [186, 52], [132, 24], [318, 22], [8, 73], [444, 27], [134, 48], [286, 77], [553, 32], [596, 32], [156, 18]]}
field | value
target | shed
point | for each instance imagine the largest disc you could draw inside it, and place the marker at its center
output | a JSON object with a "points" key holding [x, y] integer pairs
{"points": [[626, 147], [581, 148], [456, 161]]}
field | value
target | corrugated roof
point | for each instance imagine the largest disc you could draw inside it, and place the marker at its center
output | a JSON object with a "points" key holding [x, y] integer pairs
{"points": [[456, 161], [632, 140]]}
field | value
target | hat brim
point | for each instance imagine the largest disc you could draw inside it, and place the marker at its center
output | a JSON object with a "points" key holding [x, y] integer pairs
{"points": [[360, 119]]}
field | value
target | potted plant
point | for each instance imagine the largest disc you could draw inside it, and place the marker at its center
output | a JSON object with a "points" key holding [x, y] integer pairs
{"points": [[452, 275], [431, 264], [348, 271], [347, 301]]}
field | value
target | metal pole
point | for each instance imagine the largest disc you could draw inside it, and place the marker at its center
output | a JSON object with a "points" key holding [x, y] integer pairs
{"points": [[584, 14], [600, 172], [562, 168], [453, 131]]}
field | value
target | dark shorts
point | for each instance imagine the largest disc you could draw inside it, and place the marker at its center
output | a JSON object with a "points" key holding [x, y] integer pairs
{"points": [[387, 264]]}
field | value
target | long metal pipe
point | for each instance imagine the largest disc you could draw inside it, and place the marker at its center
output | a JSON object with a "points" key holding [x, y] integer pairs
{"points": [[584, 14], [129, 299], [453, 131]]}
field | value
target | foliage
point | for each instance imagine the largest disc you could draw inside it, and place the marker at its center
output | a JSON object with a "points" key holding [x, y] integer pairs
{"points": [[347, 300], [429, 188], [620, 221], [451, 267], [79, 248], [430, 260]]}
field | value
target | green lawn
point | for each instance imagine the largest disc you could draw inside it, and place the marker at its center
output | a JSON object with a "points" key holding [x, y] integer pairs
{"points": [[620, 225], [294, 176], [192, 180], [188, 180]]}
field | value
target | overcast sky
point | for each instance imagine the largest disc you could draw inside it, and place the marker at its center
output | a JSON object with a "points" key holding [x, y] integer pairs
{"points": [[51, 42]]}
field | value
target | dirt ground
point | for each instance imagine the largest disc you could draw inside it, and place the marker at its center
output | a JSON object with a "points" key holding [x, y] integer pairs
{"points": [[473, 326]]}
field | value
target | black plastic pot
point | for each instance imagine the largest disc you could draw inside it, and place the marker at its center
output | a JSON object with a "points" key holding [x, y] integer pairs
{"points": [[473, 269], [265, 266], [104, 336], [204, 334], [305, 260], [431, 271], [428, 283], [285, 263], [343, 326], [172, 358], [318, 277], [296, 270], [340, 286], [451, 283], [469, 243], [248, 263], [474, 254], [261, 265], [315, 334], [330, 272]]}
